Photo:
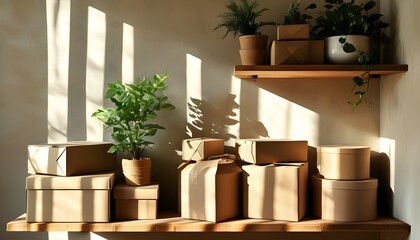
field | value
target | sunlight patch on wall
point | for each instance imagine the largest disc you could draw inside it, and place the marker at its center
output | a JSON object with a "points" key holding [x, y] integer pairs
{"points": [[387, 146], [58, 235], [95, 72], [128, 54], [287, 120], [58, 38], [193, 88], [235, 89]]}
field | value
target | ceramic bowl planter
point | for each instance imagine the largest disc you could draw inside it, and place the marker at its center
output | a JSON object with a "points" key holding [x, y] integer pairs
{"points": [[253, 49], [137, 172], [335, 54]]}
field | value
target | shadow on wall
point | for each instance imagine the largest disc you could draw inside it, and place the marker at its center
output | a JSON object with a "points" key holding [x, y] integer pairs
{"points": [[212, 121]]}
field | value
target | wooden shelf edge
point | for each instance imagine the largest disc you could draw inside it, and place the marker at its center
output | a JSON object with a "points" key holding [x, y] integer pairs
{"points": [[314, 71], [175, 223]]}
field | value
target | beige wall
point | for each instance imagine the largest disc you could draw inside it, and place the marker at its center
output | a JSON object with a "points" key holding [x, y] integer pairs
{"points": [[400, 110], [51, 83]]}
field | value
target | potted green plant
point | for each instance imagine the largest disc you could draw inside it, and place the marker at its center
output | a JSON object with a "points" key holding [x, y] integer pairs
{"points": [[295, 25], [135, 106], [349, 30], [242, 19]]}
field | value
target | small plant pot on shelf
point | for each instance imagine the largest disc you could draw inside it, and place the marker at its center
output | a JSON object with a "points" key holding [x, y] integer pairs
{"points": [[335, 54], [253, 49], [137, 172]]}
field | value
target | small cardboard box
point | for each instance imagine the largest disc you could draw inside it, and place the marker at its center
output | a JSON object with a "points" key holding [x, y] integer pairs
{"points": [[276, 191], [210, 190], [344, 201], [344, 162], [70, 159], [289, 52], [201, 148], [316, 52], [69, 199], [136, 202], [267, 151], [293, 32]]}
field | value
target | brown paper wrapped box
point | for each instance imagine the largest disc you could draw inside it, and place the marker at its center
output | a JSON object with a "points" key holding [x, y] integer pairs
{"points": [[136, 202], [201, 148], [293, 32], [70, 159], [69, 199], [275, 192], [267, 151], [316, 52], [344, 162], [210, 190], [289, 52], [345, 201]]}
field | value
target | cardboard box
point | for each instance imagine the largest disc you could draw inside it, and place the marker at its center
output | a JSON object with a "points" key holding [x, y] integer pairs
{"points": [[316, 52], [70, 159], [293, 32], [136, 202], [345, 201], [267, 151], [344, 162], [289, 52], [69, 199], [201, 148], [210, 190], [275, 192]]}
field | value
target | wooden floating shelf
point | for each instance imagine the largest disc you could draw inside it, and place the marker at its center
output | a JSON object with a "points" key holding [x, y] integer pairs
{"points": [[171, 222], [315, 71]]}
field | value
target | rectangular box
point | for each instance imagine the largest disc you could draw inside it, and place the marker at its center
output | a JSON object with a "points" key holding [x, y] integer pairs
{"points": [[136, 202], [289, 52], [316, 52], [344, 162], [293, 32], [267, 151], [210, 190], [345, 201], [69, 199], [70, 159], [202, 148], [275, 192]]}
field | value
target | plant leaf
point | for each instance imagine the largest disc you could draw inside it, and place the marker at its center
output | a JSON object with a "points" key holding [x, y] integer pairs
{"points": [[349, 48], [358, 81]]}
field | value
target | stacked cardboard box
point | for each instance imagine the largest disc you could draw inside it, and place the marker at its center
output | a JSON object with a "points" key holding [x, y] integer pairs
{"points": [[275, 185], [209, 187], [344, 191], [66, 185], [294, 47]]}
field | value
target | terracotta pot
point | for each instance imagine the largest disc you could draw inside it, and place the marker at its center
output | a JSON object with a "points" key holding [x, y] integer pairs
{"points": [[250, 42], [253, 57], [334, 49], [137, 172]]}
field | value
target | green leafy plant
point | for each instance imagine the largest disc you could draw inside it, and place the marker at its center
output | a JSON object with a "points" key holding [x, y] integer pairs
{"points": [[294, 16], [348, 18], [135, 106], [242, 19]]}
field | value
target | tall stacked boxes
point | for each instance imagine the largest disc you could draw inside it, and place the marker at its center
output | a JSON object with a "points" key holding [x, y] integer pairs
{"points": [[78, 185], [136, 202], [294, 47], [275, 184], [344, 191], [209, 188]]}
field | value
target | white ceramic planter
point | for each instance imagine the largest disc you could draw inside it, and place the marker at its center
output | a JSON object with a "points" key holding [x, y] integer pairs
{"points": [[335, 54]]}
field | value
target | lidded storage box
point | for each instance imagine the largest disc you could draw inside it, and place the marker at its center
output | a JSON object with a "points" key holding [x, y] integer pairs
{"points": [[69, 199], [71, 158], [267, 151], [201, 148], [275, 191], [346, 201], [136, 202], [344, 162]]}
